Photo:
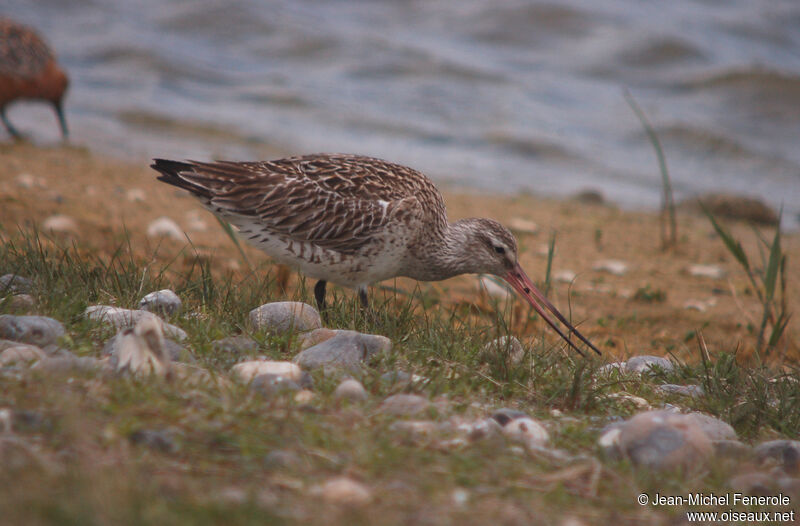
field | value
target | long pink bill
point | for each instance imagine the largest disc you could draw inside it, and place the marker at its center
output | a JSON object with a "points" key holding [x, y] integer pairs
{"points": [[525, 287]]}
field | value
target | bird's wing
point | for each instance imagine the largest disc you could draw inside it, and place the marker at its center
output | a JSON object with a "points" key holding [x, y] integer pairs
{"points": [[337, 202]]}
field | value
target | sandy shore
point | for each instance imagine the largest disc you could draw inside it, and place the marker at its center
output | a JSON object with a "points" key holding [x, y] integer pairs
{"points": [[107, 197]]}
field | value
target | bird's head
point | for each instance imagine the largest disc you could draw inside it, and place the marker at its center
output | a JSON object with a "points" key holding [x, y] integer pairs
{"points": [[493, 250]]}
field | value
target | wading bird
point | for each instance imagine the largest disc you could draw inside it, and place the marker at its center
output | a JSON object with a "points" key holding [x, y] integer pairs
{"points": [[28, 70], [354, 221]]}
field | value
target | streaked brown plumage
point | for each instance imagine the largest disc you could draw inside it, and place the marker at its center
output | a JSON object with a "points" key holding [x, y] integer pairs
{"points": [[354, 220], [28, 70]]}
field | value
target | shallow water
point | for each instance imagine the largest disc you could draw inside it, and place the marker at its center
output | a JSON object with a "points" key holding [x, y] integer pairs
{"points": [[507, 96]]}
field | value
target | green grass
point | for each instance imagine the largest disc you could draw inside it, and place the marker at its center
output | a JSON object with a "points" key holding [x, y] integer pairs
{"points": [[79, 464]]}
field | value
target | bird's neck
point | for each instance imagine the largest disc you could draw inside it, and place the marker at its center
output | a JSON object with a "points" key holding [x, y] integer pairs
{"points": [[446, 253]]}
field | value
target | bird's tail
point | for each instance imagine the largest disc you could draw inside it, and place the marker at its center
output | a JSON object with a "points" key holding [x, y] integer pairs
{"points": [[172, 172]]}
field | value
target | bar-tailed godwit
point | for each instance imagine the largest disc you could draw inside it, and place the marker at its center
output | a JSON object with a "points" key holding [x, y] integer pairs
{"points": [[28, 70], [354, 221]]}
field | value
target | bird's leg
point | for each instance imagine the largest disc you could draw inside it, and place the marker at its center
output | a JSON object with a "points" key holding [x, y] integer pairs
{"points": [[319, 294], [362, 296], [11, 129], [59, 109]]}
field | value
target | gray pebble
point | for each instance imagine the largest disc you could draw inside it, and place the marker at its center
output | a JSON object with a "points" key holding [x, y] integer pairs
{"points": [[644, 363], [786, 453], [67, 364], [124, 318], [507, 346], [19, 302], [282, 459], [273, 384], [505, 415], [36, 330], [15, 284], [404, 404], [162, 301], [285, 316], [350, 389], [347, 350], [25, 354], [658, 440], [714, 428]]}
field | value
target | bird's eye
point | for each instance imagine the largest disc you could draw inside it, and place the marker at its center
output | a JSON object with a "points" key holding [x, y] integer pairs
{"points": [[500, 250]]}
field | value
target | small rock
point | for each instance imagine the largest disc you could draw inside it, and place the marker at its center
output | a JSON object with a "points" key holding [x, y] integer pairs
{"points": [[658, 440], [507, 346], [159, 439], [141, 351], [564, 276], [636, 401], [481, 429], [692, 390], [36, 330], [527, 432], [304, 396], [165, 227], [19, 302], [490, 287], [698, 305], [285, 316], [67, 364], [706, 271], [21, 354], [714, 428], [347, 350], [343, 491], [15, 284], [123, 318], [644, 363], [28, 181], [611, 367], [163, 301], [274, 384], [732, 449], [734, 207], [135, 195], [523, 226], [505, 415], [612, 266], [350, 389], [786, 453], [248, 371], [60, 224], [312, 338], [404, 404], [235, 345]]}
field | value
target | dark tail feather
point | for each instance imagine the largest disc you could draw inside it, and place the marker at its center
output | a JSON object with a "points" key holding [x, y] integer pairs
{"points": [[171, 174]]}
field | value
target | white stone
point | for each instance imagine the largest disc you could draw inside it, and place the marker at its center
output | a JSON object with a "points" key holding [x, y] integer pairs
{"points": [[247, 371], [161, 301], [123, 318], [526, 431], [165, 227], [350, 389], [564, 276], [27, 181], [612, 266], [285, 316], [21, 353], [135, 195], [343, 490], [60, 224], [523, 226], [493, 289], [707, 271]]}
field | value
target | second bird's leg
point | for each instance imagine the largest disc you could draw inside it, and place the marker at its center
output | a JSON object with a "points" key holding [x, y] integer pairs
{"points": [[319, 294], [362, 296]]}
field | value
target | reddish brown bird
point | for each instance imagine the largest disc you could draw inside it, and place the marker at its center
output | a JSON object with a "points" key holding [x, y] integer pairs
{"points": [[28, 70], [356, 220]]}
